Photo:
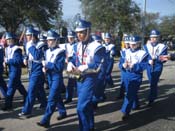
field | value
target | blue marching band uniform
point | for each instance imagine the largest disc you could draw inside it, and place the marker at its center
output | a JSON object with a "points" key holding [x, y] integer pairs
{"points": [[111, 52], [3, 86], [13, 58], [88, 59], [69, 47], [132, 64], [35, 55], [155, 65], [99, 89], [123, 76], [87, 56], [53, 66]]}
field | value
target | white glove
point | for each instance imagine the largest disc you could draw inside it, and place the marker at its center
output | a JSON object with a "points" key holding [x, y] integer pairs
{"points": [[44, 63], [131, 65], [154, 57], [82, 68], [5, 60], [125, 65], [4, 64], [150, 62], [70, 67], [44, 69], [25, 62]]}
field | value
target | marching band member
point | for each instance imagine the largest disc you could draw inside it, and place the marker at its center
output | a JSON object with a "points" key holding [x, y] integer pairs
{"points": [[123, 54], [3, 86], [111, 52], [35, 54], [133, 65], [69, 52], [13, 58], [99, 89], [88, 56], [155, 66], [53, 66]]}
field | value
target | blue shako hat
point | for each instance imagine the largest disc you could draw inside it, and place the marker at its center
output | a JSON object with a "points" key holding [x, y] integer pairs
{"points": [[51, 35], [9, 35], [71, 34], [82, 25], [126, 39], [107, 36], [42, 37], [31, 31], [96, 37], [154, 33], [134, 40]]}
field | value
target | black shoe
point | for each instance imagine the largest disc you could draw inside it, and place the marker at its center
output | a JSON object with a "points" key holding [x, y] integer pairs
{"points": [[47, 87], [120, 97], [22, 102], [95, 106], [40, 108], [136, 108], [103, 98], [125, 117], [150, 104], [22, 114], [45, 125], [60, 117], [6, 108], [67, 101]]}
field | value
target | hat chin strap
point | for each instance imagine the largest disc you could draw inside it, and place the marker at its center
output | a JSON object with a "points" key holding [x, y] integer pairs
{"points": [[87, 35]]}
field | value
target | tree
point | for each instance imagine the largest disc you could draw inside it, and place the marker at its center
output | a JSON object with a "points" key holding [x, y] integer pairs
{"points": [[167, 25], [14, 13], [111, 15], [151, 22]]}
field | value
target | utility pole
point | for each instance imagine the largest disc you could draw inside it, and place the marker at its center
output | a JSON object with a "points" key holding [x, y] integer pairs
{"points": [[143, 22]]}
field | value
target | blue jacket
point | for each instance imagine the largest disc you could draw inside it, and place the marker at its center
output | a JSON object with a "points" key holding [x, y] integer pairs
{"points": [[15, 62], [135, 73], [159, 49], [55, 67]]}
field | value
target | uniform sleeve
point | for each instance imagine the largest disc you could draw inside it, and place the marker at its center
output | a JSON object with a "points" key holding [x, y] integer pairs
{"points": [[164, 52], [36, 53], [58, 65], [113, 52], [98, 58], [120, 65], [73, 57], [141, 66], [17, 58]]}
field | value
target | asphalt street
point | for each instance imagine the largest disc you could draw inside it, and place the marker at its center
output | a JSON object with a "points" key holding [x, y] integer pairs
{"points": [[160, 117]]}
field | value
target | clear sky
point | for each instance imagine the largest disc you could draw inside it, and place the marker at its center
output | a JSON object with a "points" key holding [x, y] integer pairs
{"points": [[164, 7], [71, 8]]}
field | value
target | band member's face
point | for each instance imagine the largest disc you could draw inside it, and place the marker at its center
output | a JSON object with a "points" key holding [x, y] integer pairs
{"points": [[154, 39], [133, 46], [126, 45], [71, 39], [82, 35], [51, 43], [28, 37], [107, 40], [10, 41]]}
